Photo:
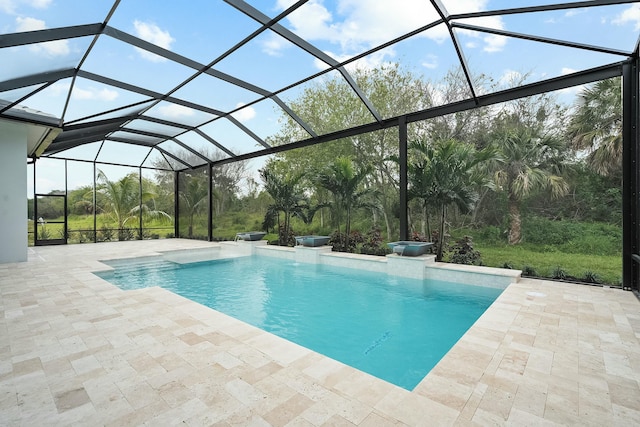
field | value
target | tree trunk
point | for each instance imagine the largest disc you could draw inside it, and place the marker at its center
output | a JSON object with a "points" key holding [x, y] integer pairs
{"points": [[388, 225], [476, 208], [279, 230], [374, 216], [515, 223], [347, 230], [426, 219], [441, 237], [425, 223], [287, 224]]}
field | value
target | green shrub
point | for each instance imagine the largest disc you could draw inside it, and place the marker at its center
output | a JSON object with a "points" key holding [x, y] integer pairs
{"points": [[462, 252], [373, 243], [572, 236], [86, 236], [490, 234], [527, 270], [590, 277], [106, 234], [558, 273], [43, 233], [126, 234]]}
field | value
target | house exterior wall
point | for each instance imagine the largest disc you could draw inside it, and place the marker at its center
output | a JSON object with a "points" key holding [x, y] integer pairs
{"points": [[13, 192]]}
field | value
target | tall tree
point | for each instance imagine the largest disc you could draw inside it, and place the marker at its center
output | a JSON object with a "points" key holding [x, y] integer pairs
{"points": [[288, 197], [345, 182], [226, 178], [123, 199], [193, 196], [331, 105], [531, 164], [445, 173], [596, 126]]}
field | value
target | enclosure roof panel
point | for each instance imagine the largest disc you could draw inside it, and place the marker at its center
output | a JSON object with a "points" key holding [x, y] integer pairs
{"points": [[210, 81]]}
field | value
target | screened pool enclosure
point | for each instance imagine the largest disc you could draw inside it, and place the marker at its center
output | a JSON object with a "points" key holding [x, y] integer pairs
{"points": [[175, 91]]}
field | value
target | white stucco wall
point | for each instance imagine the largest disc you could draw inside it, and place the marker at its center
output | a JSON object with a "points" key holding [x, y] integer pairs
{"points": [[13, 192]]}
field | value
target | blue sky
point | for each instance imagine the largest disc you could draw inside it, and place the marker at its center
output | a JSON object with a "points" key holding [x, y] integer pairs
{"points": [[203, 30]]}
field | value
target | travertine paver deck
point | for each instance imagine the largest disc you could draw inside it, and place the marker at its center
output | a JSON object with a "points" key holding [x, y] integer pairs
{"points": [[75, 350]]}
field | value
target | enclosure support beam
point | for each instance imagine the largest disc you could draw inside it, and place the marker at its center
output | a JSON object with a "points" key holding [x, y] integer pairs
{"points": [[402, 155], [630, 174], [176, 204], [140, 203], [210, 204], [94, 201], [35, 202]]}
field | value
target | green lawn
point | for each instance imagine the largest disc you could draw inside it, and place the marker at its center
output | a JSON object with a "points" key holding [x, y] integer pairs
{"points": [[607, 267]]}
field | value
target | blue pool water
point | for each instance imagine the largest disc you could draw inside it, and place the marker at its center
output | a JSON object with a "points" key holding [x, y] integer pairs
{"points": [[394, 328]]}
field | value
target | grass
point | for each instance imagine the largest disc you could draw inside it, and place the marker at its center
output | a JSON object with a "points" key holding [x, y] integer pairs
{"points": [[607, 267], [578, 249], [80, 229]]}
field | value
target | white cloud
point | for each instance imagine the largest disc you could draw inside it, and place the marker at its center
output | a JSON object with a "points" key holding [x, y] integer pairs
{"points": [[630, 15], [370, 62], [155, 35], [10, 6], [29, 24], [273, 45], [312, 21], [570, 91], [59, 88], [492, 42], [431, 62], [54, 48], [38, 4], [245, 114], [356, 25], [321, 65], [574, 12], [175, 111], [92, 93], [375, 60]]}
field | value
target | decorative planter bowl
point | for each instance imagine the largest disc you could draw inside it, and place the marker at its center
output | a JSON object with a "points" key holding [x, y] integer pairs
{"points": [[408, 248], [251, 235], [312, 241]]}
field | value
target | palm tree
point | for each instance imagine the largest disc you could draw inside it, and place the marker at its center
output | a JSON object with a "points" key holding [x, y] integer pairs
{"points": [[123, 200], [528, 167], [596, 126], [193, 198], [446, 173], [345, 183], [288, 197]]}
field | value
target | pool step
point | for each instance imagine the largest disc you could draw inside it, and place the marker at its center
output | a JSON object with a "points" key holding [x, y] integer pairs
{"points": [[132, 266]]}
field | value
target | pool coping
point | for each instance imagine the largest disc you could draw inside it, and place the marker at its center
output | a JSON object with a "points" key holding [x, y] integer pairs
{"points": [[543, 353]]}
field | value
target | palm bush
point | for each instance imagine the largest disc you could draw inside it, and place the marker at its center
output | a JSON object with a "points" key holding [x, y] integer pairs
{"points": [[345, 182], [287, 192]]}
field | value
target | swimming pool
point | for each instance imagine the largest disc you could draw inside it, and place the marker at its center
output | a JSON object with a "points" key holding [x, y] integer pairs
{"points": [[394, 328]]}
